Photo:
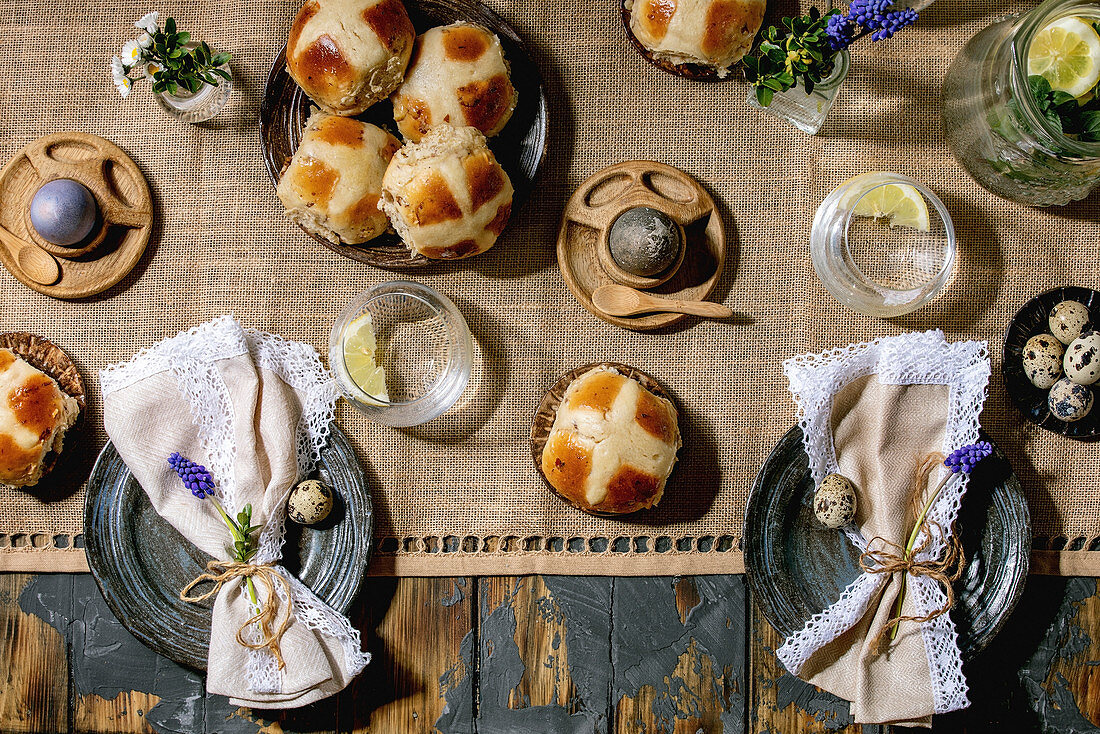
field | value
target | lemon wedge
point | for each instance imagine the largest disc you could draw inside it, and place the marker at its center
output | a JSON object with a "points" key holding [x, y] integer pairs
{"points": [[901, 204], [1067, 54], [360, 358]]}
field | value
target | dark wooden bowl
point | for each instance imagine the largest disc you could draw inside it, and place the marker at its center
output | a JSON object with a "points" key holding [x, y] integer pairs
{"points": [[547, 411], [519, 147], [797, 568], [695, 72], [43, 354], [141, 562], [1030, 321]]}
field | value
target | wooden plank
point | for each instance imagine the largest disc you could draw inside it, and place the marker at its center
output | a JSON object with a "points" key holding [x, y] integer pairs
{"points": [[544, 654], [119, 685], [678, 655], [780, 702], [34, 696], [420, 634]]}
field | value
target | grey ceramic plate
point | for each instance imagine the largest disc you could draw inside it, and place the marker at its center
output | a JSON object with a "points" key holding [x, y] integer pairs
{"points": [[1029, 321], [140, 562], [797, 568]]}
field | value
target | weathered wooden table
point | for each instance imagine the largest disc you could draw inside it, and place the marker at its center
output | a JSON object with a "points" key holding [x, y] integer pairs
{"points": [[540, 654]]}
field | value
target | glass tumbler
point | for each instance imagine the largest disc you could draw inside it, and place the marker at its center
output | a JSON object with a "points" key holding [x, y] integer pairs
{"points": [[424, 346], [872, 265]]}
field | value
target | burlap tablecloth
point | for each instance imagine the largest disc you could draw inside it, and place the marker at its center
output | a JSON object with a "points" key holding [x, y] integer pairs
{"points": [[460, 494]]}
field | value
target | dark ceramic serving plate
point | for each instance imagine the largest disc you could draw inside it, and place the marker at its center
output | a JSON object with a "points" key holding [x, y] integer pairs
{"points": [[519, 147], [1032, 320], [797, 568], [141, 562]]}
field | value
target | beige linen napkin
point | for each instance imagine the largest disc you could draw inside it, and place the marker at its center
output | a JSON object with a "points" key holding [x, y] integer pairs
{"points": [[873, 412], [255, 410]]}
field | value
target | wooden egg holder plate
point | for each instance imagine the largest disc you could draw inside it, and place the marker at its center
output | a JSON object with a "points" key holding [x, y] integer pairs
{"points": [[585, 260], [123, 226]]}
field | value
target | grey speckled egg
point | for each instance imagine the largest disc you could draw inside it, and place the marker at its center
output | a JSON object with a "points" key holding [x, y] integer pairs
{"points": [[63, 211], [1068, 320], [309, 503], [1042, 358], [644, 241], [1069, 401], [1082, 359], [835, 501]]}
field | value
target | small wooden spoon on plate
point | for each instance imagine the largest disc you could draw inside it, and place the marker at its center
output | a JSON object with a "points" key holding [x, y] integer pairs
{"points": [[38, 264], [619, 300]]}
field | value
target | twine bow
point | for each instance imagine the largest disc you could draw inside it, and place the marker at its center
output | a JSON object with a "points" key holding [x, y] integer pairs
{"points": [[219, 572], [892, 557]]}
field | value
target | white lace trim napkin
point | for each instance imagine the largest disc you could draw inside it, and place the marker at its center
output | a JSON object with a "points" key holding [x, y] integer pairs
{"points": [[815, 380], [255, 409]]}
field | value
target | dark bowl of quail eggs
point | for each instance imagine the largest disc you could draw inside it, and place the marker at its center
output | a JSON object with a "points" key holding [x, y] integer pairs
{"points": [[1051, 361]]}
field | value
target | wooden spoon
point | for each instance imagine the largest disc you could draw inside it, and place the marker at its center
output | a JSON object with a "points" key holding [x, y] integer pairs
{"points": [[39, 265], [619, 300]]}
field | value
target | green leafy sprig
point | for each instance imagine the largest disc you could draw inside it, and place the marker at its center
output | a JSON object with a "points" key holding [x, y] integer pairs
{"points": [[180, 67], [1067, 114], [799, 50], [245, 544]]}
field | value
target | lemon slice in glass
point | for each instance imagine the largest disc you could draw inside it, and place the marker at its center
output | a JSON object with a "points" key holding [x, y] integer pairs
{"points": [[1067, 54], [360, 358], [900, 204]]}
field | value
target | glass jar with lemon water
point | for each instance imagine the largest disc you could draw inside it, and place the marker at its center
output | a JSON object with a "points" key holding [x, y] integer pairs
{"points": [[1020, 106], [883, 244]]}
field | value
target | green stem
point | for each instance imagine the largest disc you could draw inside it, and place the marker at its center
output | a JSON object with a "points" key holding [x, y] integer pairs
{"points": [[909, 549], [235, 530]]}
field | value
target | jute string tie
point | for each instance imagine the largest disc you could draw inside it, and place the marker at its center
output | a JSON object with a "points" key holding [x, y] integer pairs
{"points": [[890, 557], [220, 572]]}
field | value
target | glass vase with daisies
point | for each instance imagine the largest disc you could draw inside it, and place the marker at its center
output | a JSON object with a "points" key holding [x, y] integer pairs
{"points": [[798, 68], [190, 81]]}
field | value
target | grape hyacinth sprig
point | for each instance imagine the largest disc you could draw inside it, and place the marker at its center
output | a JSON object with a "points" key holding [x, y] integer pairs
{"points": [[804, 49], [200, 482], [961, 462]]}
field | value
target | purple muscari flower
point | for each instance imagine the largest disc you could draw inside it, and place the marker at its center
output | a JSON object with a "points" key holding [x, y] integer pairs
{"points": [[194, 476], [841, 31], [869, 13], [894, 22], [965, 458]]}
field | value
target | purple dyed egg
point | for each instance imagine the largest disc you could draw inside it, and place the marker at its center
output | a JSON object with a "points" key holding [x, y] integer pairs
{"points": [[63, 212]]}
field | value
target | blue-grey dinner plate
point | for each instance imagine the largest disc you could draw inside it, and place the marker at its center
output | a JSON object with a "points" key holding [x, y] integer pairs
{"points": [[797, 567], [141, 562]]}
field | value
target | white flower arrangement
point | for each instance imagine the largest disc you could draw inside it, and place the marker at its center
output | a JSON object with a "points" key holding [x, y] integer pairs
{"points": [[160, 55]]}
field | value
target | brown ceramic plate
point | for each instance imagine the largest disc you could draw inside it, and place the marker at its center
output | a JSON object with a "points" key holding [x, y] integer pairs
{"points": [[43, 354], [697, 72], [797, 568], [141, 562], [519, 147], [1030, 321], [547, 411]]}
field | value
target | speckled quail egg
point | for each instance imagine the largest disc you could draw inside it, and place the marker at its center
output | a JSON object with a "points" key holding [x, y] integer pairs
{"points": [[1082, 359], [309, 503], [1042, 358], [1068, 320], [835, 501], [1069, 401]]}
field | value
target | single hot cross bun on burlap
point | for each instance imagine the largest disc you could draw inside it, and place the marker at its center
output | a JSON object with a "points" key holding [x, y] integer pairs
{"points": [[612, 445], [715, 33]]}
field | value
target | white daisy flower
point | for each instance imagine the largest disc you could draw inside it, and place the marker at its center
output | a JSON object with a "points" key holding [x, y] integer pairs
{"points": [[124, 87], [152, 68], [118, 71], [131, 53], [148, 22], [145, 40]]}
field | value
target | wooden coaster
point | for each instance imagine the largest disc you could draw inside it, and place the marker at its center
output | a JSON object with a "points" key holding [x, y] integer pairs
{"points": [[120, 191], [595, 205], [696, 72], [43, 354], [547, 411]]}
